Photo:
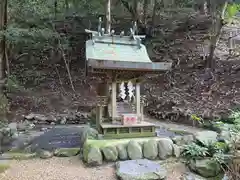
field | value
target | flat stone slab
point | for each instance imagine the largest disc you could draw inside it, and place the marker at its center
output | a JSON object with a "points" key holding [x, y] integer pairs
{"points": [[58, 138], [142, 169], [55, 138]]}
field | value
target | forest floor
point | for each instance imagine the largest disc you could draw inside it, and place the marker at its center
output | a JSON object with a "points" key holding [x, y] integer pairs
{"points": [[74, 169]]}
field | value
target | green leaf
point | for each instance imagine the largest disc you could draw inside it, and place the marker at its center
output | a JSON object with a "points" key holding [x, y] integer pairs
{"points": [[232, 10]]}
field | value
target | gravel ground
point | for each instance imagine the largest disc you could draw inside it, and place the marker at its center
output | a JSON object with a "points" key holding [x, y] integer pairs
{"points": [[56, 169], [73, 169]]}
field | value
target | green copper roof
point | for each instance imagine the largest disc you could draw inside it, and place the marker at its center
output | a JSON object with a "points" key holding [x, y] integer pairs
{"points": [[116, 48], [119, 52]]}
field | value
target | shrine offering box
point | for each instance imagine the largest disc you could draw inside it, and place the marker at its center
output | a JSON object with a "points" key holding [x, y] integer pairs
{"points": [[128, 119]]}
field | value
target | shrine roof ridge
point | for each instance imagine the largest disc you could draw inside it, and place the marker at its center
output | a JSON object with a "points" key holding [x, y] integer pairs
{"points": [[134, 40]]}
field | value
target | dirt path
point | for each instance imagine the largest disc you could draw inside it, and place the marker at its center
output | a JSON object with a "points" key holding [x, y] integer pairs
{"points": [[56, 169], [72, 168], [173, 126]]}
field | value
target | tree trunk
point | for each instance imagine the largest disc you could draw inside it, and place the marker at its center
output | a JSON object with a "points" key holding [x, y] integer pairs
{"points": [[66, 5], [3, 60], [3, 23], [168, 3], [55, 8], [145, 11], [154, 12], [108, 16], [135, 10], [217, 25]]}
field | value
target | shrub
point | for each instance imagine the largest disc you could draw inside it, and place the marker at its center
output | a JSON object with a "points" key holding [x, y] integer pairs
{"points": [[194, 151]]}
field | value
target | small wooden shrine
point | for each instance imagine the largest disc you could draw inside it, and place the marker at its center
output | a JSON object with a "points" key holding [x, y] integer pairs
{"points": [[121, 61]]}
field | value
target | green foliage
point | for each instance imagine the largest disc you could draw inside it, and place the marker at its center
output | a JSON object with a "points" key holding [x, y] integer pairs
{"points": [[231, 11], [219, 157], [213, 150], [4, 105], [12, 84], [235, 116], [32, 36], [218, 147], [194, 151], [196, 119]]}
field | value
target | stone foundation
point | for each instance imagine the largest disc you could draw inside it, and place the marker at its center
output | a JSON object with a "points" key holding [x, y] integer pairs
{"points": [[95, 152]]}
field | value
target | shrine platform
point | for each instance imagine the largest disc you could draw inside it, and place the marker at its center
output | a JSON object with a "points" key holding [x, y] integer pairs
{"points": [[118, 131]]}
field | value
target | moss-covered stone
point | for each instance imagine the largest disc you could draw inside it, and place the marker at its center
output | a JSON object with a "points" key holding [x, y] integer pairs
{"points": [[110, 153], [121, 145], [66, 152], [122, 152], [205, 167], [43, 154], [18, 156], [165, 148], [176, 151], [134, 150], [92, 156], [150, 149], [114, 142], [4, 167]]}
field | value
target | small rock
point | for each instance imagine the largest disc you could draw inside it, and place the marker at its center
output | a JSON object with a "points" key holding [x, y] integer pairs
{"points": [[63, 120], [44, 129], [110, 153], [40, 117], [205, 167], [45, 154], [176, 151], [191, 176], [187, 139], [122, 152], [183, 140], [13, 127], [141, 169], [53, 123], [15, 135], [225, 177], [150, 149], [51, 119], [165, 148], [30, 116], [25, 125], [93, 156], [66, 152], [206, 137], [178, 140], [134, 150]]}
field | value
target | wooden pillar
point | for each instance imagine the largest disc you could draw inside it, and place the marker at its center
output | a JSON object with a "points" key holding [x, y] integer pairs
{"points": [[142, 106], [114, 100], [101, 91], [98, 117], [138, 101]]}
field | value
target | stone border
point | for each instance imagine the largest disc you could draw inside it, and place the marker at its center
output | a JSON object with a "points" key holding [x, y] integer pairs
{"points": [[95, 152]]}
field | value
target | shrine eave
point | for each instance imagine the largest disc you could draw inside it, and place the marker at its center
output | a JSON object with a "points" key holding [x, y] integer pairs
{"points": [[128, 65]]}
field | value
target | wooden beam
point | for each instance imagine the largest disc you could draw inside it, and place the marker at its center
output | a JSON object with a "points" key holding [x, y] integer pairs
{"points": [[128, 65]]}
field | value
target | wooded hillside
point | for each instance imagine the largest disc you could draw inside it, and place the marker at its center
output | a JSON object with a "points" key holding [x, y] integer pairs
{"points": [[42, 55]]}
